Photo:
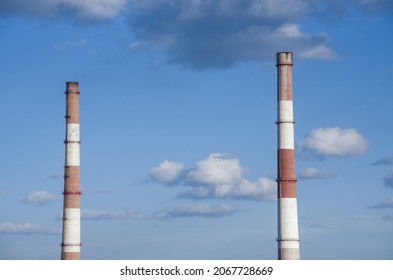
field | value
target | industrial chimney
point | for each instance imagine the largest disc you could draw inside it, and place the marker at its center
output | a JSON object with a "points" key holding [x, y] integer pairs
{"points": [[288, 232], [71, 212]]}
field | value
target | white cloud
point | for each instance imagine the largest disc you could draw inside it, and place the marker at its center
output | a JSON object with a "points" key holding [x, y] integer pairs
{"points": [[95, 9], [291, 31], [317, 52], [279, 8], [26, 228], [313, 173], [333, 141], [82, 9], [217, 176], [105, 215], [40, 198], [167, 172], [138, 45], [198, 210], [217, 169]]}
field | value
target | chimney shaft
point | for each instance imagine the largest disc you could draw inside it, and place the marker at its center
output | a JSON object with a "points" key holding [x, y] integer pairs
{"points": [[71, 212], [288, 232]]}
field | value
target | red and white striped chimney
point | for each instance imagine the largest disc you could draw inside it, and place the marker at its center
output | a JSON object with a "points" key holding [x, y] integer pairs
{"points": [[71, 242], [288, 232]]}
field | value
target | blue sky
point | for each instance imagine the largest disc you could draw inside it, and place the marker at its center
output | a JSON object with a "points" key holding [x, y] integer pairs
{"points": [[178, 110]]}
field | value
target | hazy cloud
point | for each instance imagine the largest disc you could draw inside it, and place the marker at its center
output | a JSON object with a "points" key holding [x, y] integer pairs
{"points": [[384, 204], [64, 46], [333, 141], [384, 161], [387, 218], [81, 9], [313, 173], [217, 176], [105, 215], [103, 191], [377, 6], [39, 198], [25, 228], [56, 176], [198, 210], [388, 180], [167, 172]]}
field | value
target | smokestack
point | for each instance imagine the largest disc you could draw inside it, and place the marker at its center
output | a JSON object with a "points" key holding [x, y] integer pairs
{"points": [[288, 232], [71, 242]]}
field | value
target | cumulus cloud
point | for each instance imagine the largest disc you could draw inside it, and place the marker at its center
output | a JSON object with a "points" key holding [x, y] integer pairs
{"points": [[167, 172], [39, 198], [201, 34], [81, 9], [332, 141], [217, 169], [217, 176], [384, 204], [313, 173], [198, 210], [106, 215], [384, 161]]}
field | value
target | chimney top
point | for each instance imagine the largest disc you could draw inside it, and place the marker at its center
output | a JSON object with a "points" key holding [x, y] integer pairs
{"points": [[72, 87], [284, 58]]}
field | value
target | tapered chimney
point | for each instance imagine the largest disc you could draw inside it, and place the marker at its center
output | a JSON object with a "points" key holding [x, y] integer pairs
{"points": [[71, 241], [288, 232]]}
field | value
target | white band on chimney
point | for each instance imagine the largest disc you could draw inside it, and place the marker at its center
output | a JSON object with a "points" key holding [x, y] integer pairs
{"points": [[286, 136], [289, 225], [289, 244], [73, 154], [285, 111], [71, 239], [73, 132]]}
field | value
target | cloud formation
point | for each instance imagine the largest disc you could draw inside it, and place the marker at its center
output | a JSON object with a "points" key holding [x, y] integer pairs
{"points": [[198, 210], [388, 180], [105, 215], [217, 176], [384, 204], [167, 172], [39, 198], [25, 228], [387, 218], [384, 161], [91, 10], [313, 173], [202, 34], [332, 141]]}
